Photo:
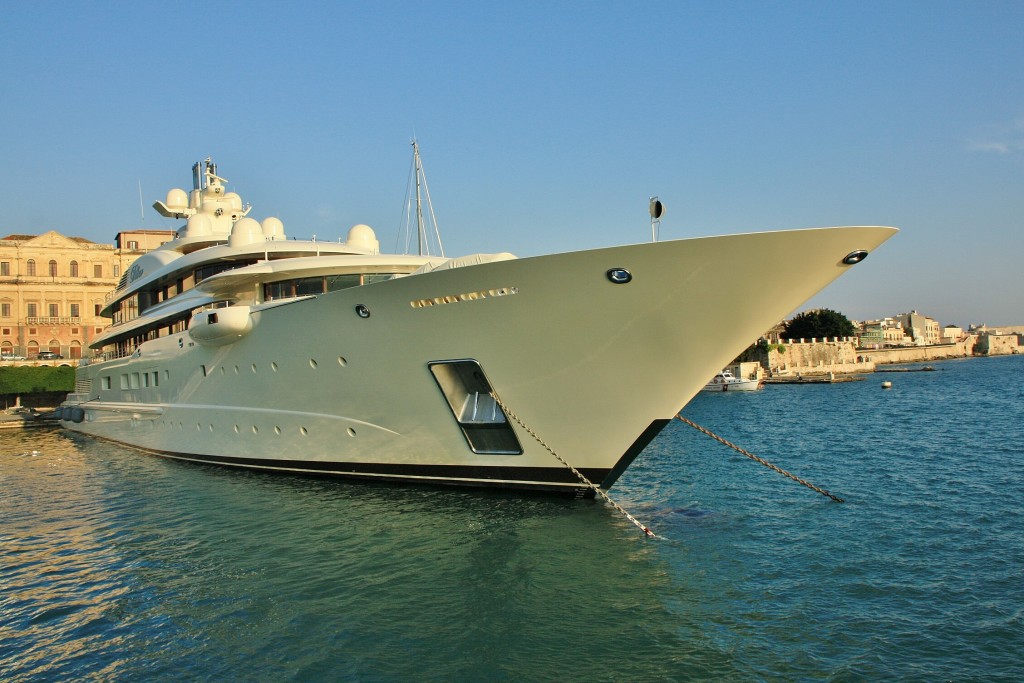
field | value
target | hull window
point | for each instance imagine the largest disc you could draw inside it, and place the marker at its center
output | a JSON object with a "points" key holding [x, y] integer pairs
{"points": [[468, 394]]}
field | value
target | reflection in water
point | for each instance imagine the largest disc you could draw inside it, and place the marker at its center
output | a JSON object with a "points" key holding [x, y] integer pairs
{"points": [[120, 564]]}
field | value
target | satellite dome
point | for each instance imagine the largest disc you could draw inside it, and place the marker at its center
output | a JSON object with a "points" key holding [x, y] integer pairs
{"points": [[363, 236], [273, 228], [245, 232], [199, 225], [177, 200]]}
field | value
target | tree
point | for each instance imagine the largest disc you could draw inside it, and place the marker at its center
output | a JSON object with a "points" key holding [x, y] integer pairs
{"points": [[818, 325]]}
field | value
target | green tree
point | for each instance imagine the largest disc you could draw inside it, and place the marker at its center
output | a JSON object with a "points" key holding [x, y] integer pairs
{"points": [[819, 324]]}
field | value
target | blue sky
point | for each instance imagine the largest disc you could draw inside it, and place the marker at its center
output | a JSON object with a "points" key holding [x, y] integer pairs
{"points": [[544, 126]]}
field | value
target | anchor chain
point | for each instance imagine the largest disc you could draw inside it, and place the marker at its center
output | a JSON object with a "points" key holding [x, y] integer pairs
{"points": [[579, 475], [760, 460]]}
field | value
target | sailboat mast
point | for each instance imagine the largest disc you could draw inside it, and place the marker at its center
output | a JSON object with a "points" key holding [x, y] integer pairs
{"points": [[423, 238], [419, 202]]}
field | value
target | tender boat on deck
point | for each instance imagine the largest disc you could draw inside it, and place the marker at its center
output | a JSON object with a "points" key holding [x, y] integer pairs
{"points": [[236, 346]]}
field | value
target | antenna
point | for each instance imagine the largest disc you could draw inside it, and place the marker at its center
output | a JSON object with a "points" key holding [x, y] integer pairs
{"points": [[657, 210], [142, 210]]}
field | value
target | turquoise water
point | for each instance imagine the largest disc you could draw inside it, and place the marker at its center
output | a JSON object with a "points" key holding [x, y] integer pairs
{"points": [[116, 566]]}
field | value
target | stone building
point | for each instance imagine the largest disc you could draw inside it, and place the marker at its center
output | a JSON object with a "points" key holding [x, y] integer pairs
{"points": [[878, 334], [995, 344], [52, 288], [922, 329]]}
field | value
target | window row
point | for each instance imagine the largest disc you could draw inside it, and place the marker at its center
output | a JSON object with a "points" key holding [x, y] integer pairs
{"points": [[319, 284], [73, 269], [9, 331], [53, 310]]}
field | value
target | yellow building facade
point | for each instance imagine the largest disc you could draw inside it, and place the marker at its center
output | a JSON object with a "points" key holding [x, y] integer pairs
{"points": [[52, 288]]}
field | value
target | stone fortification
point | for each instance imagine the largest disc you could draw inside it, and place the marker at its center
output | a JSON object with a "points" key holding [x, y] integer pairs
{"points": [[916, 354], [813, 357], [841, 355], [1001, 344]]}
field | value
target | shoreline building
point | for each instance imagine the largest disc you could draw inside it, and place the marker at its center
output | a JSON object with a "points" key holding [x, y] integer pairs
{"points": [[52, 288], [879, 334], [923, 330]]}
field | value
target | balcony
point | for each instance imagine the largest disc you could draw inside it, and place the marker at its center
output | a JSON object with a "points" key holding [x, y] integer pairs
{"points": [[53, 321]]}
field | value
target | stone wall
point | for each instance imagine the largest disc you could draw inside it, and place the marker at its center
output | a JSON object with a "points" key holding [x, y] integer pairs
{"points": [[841, 355], [810, 357], [746, 370], [917, 354], [997, 344], [814, 357]]}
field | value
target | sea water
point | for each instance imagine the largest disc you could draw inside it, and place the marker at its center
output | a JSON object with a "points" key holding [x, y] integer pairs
{"points": [[118, 566]]}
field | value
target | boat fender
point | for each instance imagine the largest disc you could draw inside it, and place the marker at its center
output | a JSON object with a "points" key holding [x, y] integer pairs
{"points": [[77, 414], [58, 413]]}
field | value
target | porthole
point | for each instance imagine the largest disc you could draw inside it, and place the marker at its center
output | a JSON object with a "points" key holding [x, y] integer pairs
{"points": [[351, 432], [254, 368], [255, 429], [619, 276], [855, 257], [273, 366], [303, 431], [312, 363], [236, 429], [341, 361], [277, 430]]}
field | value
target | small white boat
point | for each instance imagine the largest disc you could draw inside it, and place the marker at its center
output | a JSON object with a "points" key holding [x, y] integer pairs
{"points": [[724, 381]]}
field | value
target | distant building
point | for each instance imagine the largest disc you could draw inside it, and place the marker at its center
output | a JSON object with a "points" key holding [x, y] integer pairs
{"points": [[923, 330], [776, 333], [52, 288], [992, 344], [141, 241], [877, 334]]}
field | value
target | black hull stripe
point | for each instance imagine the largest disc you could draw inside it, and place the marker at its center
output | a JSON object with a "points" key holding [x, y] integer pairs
{"points": [[542, 478], [473, 473]]}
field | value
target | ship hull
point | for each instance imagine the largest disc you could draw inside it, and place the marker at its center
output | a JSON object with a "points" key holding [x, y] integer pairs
{"points": [[371, 382]]}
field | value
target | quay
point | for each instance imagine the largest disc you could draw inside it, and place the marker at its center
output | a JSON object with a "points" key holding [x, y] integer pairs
{"points": [[813, 379], [21, 418], [926, 368]]}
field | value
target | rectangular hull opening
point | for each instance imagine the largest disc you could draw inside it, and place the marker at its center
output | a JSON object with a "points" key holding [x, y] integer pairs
{"points": [[481, 419]]}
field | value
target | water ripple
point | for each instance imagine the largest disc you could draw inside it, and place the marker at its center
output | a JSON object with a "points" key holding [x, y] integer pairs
{"points": [[118, 566]]}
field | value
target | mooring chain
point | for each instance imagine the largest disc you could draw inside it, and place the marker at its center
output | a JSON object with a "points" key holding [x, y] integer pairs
{"points": [[579, 475], [760, 460]]}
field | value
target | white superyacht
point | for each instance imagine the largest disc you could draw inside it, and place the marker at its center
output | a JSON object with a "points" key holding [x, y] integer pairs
{"points": [[236, 346]]}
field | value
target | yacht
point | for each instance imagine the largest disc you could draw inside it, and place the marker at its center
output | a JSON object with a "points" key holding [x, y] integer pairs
{"points": [[234, 345]]}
